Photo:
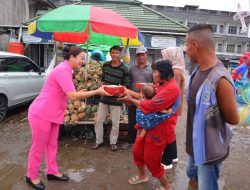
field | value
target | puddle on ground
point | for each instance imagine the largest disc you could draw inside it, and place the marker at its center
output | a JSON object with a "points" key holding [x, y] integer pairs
{"points": [[80, 175], [90, 170], [75, 176]]}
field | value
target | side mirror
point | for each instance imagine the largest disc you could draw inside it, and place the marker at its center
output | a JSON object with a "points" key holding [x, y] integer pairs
{"points": [[41, 70]]}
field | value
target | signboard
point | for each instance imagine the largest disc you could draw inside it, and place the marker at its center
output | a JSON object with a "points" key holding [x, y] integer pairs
{"points": [[163, 41], [28, 39]]}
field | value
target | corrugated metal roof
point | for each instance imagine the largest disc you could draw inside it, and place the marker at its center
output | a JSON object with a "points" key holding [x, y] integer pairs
{"points": [[143, 17]]}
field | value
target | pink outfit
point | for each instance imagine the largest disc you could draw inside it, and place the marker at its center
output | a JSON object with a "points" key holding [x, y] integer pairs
{"points": [[44, 139], [45, 115], [52, 100]]}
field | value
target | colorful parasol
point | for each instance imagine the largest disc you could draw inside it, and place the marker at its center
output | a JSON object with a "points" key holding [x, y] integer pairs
{"points": [[81, 24]]}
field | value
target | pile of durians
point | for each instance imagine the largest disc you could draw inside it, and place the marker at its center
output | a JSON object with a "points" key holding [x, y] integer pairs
{"points": [[78, 110]]}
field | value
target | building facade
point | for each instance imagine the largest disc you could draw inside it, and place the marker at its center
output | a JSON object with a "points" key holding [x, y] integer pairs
{"points": [[230, 43], [159, 30]]}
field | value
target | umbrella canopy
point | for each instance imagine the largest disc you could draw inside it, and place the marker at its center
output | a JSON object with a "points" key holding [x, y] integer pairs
{"points": [[82, 37], [79, 23]]}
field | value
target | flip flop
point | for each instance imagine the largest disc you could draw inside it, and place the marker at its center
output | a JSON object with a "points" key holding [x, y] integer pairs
{"points": [[160, 188], [136, 180]]}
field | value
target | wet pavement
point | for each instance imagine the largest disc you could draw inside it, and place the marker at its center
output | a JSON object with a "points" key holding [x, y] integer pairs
{"points": [[105, 170]]}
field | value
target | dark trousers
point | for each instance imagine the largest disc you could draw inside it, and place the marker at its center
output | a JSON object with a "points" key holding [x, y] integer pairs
{"points": [[132, 132], [170, 153]]}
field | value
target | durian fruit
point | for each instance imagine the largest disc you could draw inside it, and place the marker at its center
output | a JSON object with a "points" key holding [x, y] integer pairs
{"points": [[70, 106], [94, 108], [80, 86], [83, 105], [75, 111], [66, 113], [78, 77], [67, 119], [78, 110], [75, 82], [81, 115], [88, 111], [74, 118], [77, 104], [89, 84], [71, 111]]}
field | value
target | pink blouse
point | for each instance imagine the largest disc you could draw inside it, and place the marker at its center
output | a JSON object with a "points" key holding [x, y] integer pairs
{"points": [[51, 103]]}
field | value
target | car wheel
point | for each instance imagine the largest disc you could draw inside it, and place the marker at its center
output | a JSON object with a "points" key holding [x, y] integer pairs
{"points": [[3, 108]]}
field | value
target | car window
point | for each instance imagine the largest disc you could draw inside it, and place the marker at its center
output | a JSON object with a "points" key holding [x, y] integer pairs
{"points": [[10, 65], [28, 66], [16, 65]]}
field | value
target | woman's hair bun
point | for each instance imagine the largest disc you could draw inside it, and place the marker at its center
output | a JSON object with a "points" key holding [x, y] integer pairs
{"points": [[65, 52]]}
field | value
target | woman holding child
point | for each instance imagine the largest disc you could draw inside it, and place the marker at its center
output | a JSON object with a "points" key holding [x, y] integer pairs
{"points": [[149, 151]]}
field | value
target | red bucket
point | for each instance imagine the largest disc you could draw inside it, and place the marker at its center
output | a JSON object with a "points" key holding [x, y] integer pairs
{"points": [[16, 47]]}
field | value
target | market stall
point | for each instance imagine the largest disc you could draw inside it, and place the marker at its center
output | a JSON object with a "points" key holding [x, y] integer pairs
{"points": [[86, 25]]}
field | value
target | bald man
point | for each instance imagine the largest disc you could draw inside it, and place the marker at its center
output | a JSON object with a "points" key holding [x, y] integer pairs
{"points": [[211, 105]]}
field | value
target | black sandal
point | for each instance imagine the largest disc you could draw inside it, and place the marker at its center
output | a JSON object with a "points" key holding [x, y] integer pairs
{"points": [[113, 147]]}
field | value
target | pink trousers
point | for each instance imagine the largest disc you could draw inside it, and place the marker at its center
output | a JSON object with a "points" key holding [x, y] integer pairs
{"points": [[44, 140]]}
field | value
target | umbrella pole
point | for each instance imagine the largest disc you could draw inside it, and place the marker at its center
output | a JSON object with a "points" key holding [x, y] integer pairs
{"points": [[86, 60], [126, 48], [127, 45], [87, 57], [55, 52]]}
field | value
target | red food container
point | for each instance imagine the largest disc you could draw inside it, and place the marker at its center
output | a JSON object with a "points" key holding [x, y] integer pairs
{"points": [[140, 85], [114, 90]]}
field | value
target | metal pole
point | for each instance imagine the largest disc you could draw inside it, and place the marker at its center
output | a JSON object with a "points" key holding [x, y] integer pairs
{"points": [[20, 33], [86, 61], [39, 49], [87, 57]]}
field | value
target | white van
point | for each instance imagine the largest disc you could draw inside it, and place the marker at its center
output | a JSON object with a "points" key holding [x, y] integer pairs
{"points": [[21, 80]]}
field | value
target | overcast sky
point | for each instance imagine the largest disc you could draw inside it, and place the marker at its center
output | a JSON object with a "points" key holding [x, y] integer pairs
{"points": [[224, 5]]}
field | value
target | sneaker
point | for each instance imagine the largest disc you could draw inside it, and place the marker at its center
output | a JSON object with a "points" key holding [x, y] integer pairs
{"points": [[175, 160], [167, 167]]}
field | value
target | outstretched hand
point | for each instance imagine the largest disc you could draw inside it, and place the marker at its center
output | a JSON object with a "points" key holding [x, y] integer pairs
{"points": [[125, 98], [102, 92]]}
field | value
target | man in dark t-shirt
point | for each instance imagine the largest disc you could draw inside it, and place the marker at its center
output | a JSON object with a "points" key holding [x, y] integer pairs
{"points": [[114, 73]]}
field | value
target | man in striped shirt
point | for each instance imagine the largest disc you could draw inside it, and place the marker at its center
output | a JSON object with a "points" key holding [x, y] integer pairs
{"points": [[113, 73]]}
